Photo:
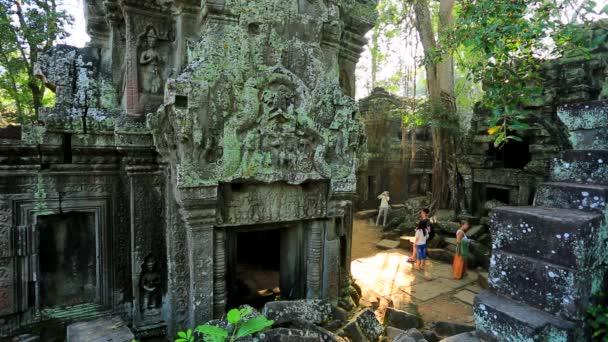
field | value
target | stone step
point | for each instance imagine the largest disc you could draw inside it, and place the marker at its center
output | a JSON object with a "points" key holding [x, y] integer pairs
{"points": [[499, 318], [547, 234], [581, 166], [560, 290], [588, 197], [587, 123]]}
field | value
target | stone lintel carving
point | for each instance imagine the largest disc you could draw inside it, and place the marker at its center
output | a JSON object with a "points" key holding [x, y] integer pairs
{"points": [[254, 204]]}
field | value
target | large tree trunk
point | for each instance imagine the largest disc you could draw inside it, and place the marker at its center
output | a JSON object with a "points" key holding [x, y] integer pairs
{"points": [[440, 83]]}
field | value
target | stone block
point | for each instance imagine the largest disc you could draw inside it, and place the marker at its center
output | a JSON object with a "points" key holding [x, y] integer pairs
{"points": [[406, 242], [465, 296], [482, 280], [449, 227], [501, 319], [289, 335], [430, 336], [581, 166], [586, 197], [476, 231], [393, 333], [440, 254], [444, 215], [560, 290], [464, 337], [518, 230], [584, 116], [364, 327], [451, 329], [401, 319], [107, 329], [410, 335], [283, 311], [387, 244]]}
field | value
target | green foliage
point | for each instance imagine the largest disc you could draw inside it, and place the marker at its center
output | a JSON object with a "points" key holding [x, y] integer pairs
{"points": [[27, 29], [506, 43], [597, 320], [211, 333]]}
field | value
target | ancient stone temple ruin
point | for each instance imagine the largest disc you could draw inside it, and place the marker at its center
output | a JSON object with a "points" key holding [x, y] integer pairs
{"points": [[399, 158], [511, 175], [549, 260], [200, 155]]}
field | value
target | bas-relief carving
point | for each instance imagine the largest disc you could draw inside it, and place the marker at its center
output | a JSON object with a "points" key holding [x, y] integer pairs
{"points": [[264, 204], [150, 287], [151, 62], [271, 114]]}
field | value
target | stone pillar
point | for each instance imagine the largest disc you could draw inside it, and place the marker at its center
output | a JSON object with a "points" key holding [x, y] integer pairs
{"points": [[146, 198], [197, 208], [219, 273], [314, 262], [131, 88]]}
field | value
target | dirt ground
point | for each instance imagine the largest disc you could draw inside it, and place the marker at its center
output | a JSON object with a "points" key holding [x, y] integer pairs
{"points": [[387, 278]]}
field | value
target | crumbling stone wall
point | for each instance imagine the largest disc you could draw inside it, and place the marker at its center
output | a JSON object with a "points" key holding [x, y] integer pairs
{"points": [[391, 164], [181, 123]]}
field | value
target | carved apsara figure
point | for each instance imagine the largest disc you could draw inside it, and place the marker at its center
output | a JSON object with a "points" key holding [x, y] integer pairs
{"points": [[149, 284], [152, 59]]}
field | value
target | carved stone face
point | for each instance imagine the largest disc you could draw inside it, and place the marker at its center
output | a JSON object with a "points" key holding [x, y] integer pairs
{"points": [[151, 38], [278, 99]]}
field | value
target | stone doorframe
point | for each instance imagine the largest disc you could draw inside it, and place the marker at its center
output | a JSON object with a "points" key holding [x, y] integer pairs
{"points": [[26, 212]]}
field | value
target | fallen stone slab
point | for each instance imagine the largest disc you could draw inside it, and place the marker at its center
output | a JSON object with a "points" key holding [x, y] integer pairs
{"points": [[364, 325], [497, 316], [475, 231], [464, 337], [392, 333], [366, 214], [406, 242], [449, 227], [430, 336], [288, 335], [106, 329], [387, 244], [283, 311], [440, 254], [401, 319], [451, 329], [465, 296], [324, 335]]}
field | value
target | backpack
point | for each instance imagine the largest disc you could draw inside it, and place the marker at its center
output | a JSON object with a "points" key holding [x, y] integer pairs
{"points": [[434, 226], [432, 232]]}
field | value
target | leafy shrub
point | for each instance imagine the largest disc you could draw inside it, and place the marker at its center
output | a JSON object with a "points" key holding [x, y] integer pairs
{"points": [[211, 333], [597, 318]]}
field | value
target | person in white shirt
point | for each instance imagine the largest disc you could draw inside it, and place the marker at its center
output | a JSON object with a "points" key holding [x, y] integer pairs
{"points": [[421, 236], [384, 208]]}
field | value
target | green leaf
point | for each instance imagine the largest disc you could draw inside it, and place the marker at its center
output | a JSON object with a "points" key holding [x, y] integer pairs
{"points": [[254, 325], [182, 334], [514, 137], [246, 311], [234, 316], [211, 331]]}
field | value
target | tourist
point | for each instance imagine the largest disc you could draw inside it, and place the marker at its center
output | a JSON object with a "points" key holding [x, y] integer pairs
{"points": [[424, 223], [384, 207], [422, 233], [459, 267]]}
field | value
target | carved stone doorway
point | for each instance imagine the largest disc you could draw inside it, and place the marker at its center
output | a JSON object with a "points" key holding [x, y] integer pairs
{"points": [[67, 259], [265, 263]]}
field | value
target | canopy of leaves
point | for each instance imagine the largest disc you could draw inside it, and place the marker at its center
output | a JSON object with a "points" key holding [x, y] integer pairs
{"points": [[27, 29], [506, 43]]}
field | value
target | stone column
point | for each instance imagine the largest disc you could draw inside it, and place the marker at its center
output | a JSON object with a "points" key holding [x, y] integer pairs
{"points": [[219, 273], [146, 199], [197, 208]]}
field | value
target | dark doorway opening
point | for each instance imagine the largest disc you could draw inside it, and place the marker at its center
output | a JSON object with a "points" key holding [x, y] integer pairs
{"points": [[512, 155], [499, 194], [67, 266], [265, 265]]}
